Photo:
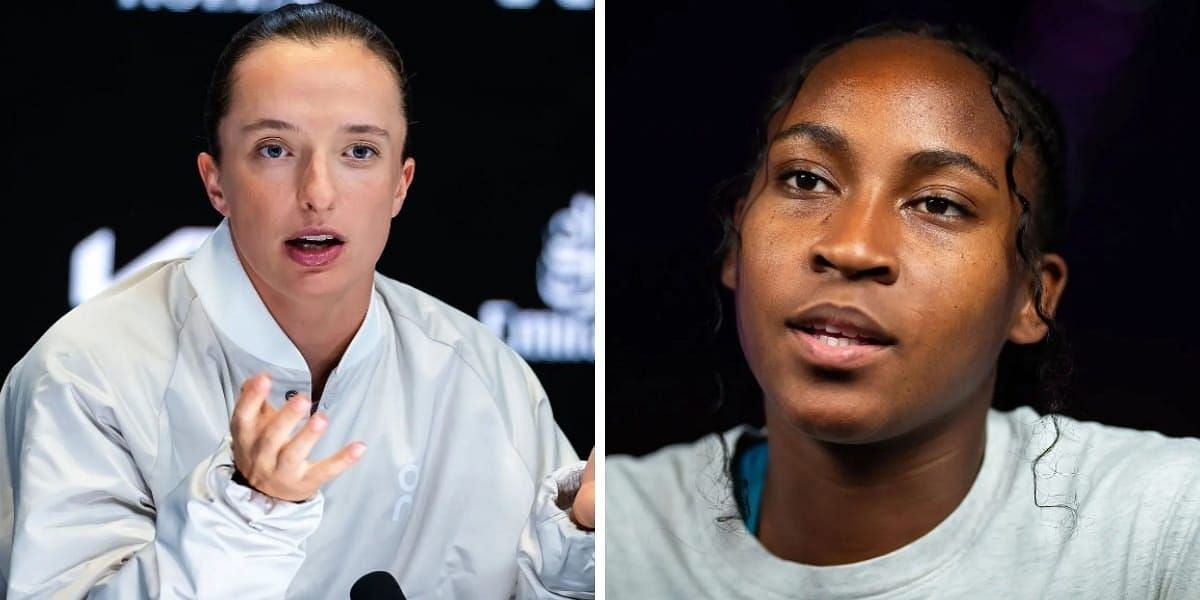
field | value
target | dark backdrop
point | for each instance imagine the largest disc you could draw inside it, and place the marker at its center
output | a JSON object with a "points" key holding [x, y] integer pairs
{"points": [[685, 82], [102, 123]]}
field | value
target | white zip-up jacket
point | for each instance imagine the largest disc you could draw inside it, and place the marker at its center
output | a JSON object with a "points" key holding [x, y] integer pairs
{"points": [[116, 465]]}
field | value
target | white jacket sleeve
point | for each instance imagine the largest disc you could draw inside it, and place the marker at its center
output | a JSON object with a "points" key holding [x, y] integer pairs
{"points": [[1178, 549], [556, 559], [80, 521]]}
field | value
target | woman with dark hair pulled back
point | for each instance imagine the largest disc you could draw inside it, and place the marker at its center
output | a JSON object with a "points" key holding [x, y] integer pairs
{"points": [[271, 417]]}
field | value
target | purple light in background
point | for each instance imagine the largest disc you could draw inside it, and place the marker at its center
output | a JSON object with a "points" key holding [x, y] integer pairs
{"points": [[1078, 52], [1080, 48]]}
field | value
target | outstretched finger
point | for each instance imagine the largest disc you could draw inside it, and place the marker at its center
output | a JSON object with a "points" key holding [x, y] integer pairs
{"points": [[322, 472], [296, 451]]}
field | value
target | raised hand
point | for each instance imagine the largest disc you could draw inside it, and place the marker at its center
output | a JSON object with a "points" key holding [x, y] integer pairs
{"points": [[269, 457]]}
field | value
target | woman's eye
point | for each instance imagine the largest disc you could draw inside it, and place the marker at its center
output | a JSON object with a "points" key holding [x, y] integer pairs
{"points": [[806, 181], [361, 152], [271, 151], [936, 205]]}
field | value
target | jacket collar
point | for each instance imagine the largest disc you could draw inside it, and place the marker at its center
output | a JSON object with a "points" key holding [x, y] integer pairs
{"points": [[237, 311]]}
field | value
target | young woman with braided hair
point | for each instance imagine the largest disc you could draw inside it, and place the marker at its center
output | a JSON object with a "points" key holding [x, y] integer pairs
{"points": [[892, 253]]}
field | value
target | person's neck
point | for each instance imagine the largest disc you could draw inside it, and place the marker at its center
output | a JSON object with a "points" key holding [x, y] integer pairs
{"points": [[830, 504], [321, 328]]}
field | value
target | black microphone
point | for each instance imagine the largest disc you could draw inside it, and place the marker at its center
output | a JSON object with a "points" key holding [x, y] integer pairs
{"points": [[376, 585]]}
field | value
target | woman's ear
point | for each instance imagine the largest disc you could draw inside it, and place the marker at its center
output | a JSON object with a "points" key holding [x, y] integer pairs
{"points": [[407, 171], [729, 264], [210, 176], [1028, 327]]}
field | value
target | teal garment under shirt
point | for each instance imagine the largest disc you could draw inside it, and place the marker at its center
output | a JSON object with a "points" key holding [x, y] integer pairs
{"points": [[751, 474]]}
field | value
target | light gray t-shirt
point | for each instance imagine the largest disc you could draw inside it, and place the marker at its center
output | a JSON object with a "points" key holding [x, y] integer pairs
{"points": [[1135, 533]]}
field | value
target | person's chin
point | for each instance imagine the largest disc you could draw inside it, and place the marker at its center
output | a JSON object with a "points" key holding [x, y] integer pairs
{"points": [[317, 283], [836, 416]]}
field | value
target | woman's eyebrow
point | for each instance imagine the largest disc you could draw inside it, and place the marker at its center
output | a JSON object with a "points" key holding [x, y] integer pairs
{"points": [[932, 160], [362, 129], [833, 141], [824, 136], [269, 124], [277, 124]]}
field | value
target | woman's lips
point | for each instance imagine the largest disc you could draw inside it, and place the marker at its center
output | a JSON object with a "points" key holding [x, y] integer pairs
{"points": [[816, 349], [313, 255]]}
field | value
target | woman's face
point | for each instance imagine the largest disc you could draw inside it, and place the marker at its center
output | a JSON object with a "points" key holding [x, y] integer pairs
{"points": [[311, 169], [876, 277]]}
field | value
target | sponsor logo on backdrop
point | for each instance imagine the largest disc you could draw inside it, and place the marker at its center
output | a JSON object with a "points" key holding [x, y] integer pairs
{"points": [[566, 279], [92, 259]]}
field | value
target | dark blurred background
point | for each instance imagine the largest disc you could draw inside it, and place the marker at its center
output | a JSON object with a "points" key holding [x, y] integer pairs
{"points": [[102, 123], [685, 86]]}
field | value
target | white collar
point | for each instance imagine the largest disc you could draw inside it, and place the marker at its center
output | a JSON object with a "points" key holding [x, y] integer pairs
{"points": [[235, 308]]}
